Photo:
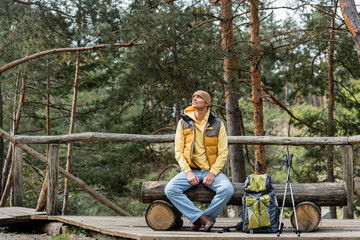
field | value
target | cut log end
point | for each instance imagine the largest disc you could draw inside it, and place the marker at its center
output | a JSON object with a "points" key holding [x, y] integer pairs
{"points": [[163, 216], [308, 216]]}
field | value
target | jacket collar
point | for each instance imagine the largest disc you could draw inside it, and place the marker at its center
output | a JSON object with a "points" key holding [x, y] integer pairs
{"points": [[190, 121]]}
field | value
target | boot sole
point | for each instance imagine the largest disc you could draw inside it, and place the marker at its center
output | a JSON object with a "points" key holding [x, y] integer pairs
{"points": [[208, 228]]}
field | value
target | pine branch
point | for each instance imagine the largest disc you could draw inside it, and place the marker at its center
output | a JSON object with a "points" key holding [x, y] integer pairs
{"points": [[62, 50], [199, 25], [23, 2], [157, 4], [280, 104], [348, 90]]}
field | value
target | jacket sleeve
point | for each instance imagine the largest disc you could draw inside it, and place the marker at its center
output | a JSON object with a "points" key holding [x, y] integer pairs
{"points": [[222, 151], [179, 149]]}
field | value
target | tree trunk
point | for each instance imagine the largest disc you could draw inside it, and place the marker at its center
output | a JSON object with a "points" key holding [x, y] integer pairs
{"points": [[71, 131], [174, 50], [352, 20], [8, 183], [73, 110], [7, 163], [315, 102], [6, 167], [255, 71], [286, 94], [321, 103], [1, 139], [48, 125], [42, 200], [331, 127], [16, 122], [231, 75], [177, 106]]}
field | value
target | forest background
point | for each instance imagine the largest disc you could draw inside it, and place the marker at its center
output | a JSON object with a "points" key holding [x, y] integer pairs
{"points": [[131, 67]]}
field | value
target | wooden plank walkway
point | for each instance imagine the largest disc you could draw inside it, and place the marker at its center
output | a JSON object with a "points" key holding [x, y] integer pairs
{"points": [[10, 215], [136, 228]]}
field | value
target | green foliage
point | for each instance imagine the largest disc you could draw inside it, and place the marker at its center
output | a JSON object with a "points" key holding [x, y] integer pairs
{"points": [[59, 237]]}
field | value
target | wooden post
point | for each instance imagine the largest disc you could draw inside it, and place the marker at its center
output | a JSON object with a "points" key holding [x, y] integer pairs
{"points": [[53, 178], [348, 174], [18, 177]]}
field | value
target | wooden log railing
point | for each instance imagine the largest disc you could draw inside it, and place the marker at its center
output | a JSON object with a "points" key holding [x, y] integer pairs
{"points": [[78, 182], [251, 140], [346, 142]]}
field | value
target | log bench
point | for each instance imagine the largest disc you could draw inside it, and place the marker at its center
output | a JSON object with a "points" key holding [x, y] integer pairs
{"points": [[308, 197]]}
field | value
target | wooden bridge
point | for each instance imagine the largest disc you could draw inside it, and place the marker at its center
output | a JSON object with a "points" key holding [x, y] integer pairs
{"points": [[136, 228]]}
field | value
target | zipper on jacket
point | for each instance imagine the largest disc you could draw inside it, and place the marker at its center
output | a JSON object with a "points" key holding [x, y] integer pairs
{"points": [[206, 126], [192, 148]]}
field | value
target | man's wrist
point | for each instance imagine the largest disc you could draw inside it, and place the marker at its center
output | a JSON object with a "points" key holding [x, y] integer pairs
{"points": [[187, 171]]}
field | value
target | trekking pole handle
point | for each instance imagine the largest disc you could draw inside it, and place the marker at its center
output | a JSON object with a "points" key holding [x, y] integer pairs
{"points": [[286, 161]]}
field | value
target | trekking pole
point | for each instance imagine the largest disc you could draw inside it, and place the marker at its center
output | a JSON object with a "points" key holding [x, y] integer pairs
{"points": [[292, 195], [283, 204]]}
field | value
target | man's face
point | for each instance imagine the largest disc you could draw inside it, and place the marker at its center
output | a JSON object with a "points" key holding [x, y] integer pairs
{"points": [[198, 102]]}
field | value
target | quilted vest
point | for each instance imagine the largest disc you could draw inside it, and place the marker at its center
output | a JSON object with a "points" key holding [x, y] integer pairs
{"points": [[212, 130]]}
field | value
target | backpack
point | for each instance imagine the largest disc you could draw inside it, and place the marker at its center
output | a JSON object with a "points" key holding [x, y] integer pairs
{"points": [[261, 211]]}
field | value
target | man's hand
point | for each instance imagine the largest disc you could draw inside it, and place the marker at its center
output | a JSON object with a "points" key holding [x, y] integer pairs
{"points": [[208, 179], [192, 178]]}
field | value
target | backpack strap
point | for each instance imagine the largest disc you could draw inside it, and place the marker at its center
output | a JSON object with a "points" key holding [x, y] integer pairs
{"points": [[227, 229]]}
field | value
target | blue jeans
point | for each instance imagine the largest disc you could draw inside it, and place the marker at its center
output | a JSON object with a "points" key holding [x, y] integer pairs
{"points": [[175, 189]]}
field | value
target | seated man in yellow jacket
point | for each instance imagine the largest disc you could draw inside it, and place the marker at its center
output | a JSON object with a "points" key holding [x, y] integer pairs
{"points": [[201, 149]]}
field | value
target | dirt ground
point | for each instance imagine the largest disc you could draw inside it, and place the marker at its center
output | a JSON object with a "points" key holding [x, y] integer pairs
{"points": [[9, 236]]}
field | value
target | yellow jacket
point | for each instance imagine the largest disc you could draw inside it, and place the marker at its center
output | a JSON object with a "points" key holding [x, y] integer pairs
{"points": [[201, 145]]}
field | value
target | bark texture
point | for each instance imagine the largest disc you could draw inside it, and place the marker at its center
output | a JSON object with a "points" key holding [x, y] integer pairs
{"points": [[331, 105], [352, 21], [71, 131], [1, 140], [255, 71], [231, 75]]}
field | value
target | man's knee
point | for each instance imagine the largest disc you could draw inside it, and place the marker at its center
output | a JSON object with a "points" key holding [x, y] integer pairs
{"points": [[167, 190], [171, 190], [230, 190], [227, 190]]}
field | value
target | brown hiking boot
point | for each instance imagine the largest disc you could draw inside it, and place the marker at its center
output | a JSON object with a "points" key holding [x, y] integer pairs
{"points": [[207, 222], [196, 225]]}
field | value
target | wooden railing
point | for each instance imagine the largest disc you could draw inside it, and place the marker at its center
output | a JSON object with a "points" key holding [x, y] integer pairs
{"points": [[21, 144], [251, 140]]}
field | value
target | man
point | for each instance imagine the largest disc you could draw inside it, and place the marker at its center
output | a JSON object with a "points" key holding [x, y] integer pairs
{"points": [[201, 150]]}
